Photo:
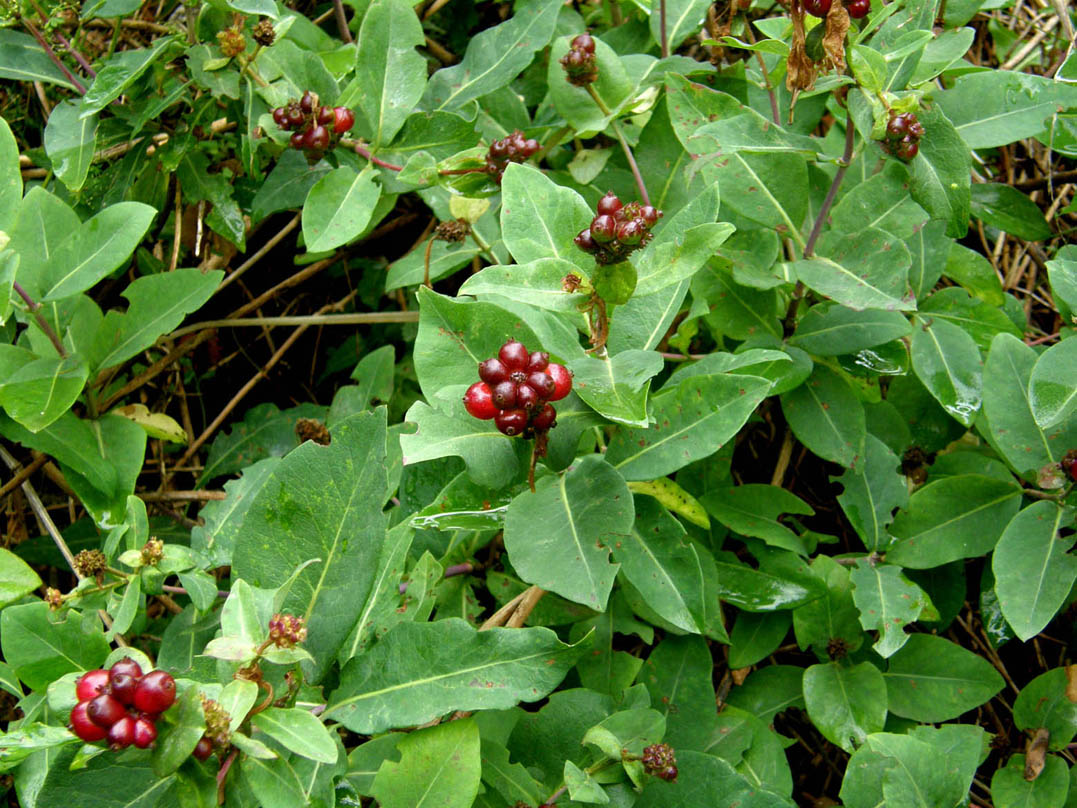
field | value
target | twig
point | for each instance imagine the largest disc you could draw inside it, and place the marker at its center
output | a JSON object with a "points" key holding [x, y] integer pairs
{"points": [[646, 199], [52, 55], [174, 261], [265, 248], [342, 21], [23, 475], [846, 159], [363, 152], [527, 605], [181, 496], [42, 323], [357, 318]]}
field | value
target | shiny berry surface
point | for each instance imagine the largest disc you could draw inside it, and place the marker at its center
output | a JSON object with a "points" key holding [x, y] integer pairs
{"points": [[585, 241], [91, 684], [343, 120], [145, 733], [544, 418], [105, 710], [513, 355], [584, 42], [122, 688], [562, 380], [204, 749], [609, 204], [298, 140], [858, 8], [504, 395], [478, 401], [318, 138], [511, 422], [603, 228], [122, 733], [539, 360], [128, 666], [280, 117], [83, 727], [650, 215], [326, 116], [492, 371], [526, 396], [295, 118], [155, 693], [630, 232], [541, 383], [817, 8], [306, 103]]}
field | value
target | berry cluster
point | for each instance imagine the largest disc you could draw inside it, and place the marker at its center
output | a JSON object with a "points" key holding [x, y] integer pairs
{"points": [[618, 229], [515, 390], [579, 63], [658, 760], [513, 148], [121, 704], [1068, 464], [820, 8], [313, 125], [903, 133]]}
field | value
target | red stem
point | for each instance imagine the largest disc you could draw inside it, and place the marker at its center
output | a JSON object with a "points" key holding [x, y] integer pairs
{"points": [[42, 323], [52, 55]]}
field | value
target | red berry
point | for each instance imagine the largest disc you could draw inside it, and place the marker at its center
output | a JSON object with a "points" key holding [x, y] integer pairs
{"points": [[280, 117], [504, 395], [122, 733], [128, 666], [295, 117], [585, 242], [897, 127], [526, 396], [122, 688], [492, 371], [584, 42], [513, 355], [298, 140], [318, 138], [326, 116], [817, 8], [631, 232], [511, 422], [530, 146], [155, 693], [609, 204], [544, 418], [105, 710], [858, 8], [650, 215], [539, 360], [478, 403], [306, 103], [91, 684], [145, 733], [204, 748], [541, 383], [603, 228], [82, 726], [562, 380], [343, 120]]}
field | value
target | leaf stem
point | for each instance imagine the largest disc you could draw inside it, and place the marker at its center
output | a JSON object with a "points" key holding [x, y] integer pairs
{"points": [[365, 153], [342, 21], [644, 197], [52, 55], [483, 246], [42, 323]]}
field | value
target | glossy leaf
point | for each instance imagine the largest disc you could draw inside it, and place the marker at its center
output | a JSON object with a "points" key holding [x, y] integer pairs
{"points": [[119, 73], [830, 330], [1011, 789], [677, 675], [439, 766], [755, 636], [865, 270], [932, 679], [540, 219], [617, 387], [782, 584], [1043, 702], [41, 390], [1008, 209], [846, 704], [41, 647], [392, 74], [888, 601], [297, 730], [832, 618], [872, 493], [16, 577], [1052, 387], [939, 175], [754, 510], [826, 416], [949, 365], [338, 208], [69, 143], [23, 59]]}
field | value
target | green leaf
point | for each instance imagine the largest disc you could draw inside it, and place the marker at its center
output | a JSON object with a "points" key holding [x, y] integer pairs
{"points": [[977, 318], [41, 649], [583, 512], [872, 493], [1043, 703], [869, 67], [770, 189], [1033, 570], [264, 432], [880, 201], [540, 219], [830, 330], [1009, 210], [737, 311], [158, 303], [1011, 789], [582, 786], [658, 560], [494, 57], [617, 387], [974, 272], [932, 679], [888, 601], [939, 174], [827, 417], [511, 780], [1052, 387], [176, 742], [115, 781], [692, 421], [287, 185], [846, 704], [955, 517], [706, 780], [125, 614], [101, 245], [439, 767], [16, 578], [948, 363], [338, 208], [41, 390], [1063, 274], [321, 502], [997, 107], [756, 636], [10, 175], [69, 143], [273, 782], [782, 582], [298, 731], [42, 225], [682, 18], [753, 509], [678, 676], [575, 104], [459, 668], [538, 283], [865, 270], [22, 59], [831, 617], [119, 73], [392, 74]]}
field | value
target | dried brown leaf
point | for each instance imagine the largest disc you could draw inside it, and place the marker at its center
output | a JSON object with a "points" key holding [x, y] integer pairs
{"points": [[837, 26], [800, 73], [1036, 753]]}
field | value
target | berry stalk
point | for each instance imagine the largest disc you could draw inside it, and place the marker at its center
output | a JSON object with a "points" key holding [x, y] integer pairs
{"points": [[624, 144]]}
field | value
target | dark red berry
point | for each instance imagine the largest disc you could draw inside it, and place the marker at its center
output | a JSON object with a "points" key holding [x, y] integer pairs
{"points": [[326, 116], [155, 693], [650, 215], [585, 242], [145, 733], [631, 232], [82, 726], [280, 117], [91, 684], [306, 103], [318, 138], [907, 148], [513, 355], [530, 146], [562, 380], [897, 127], [504, 395], [526, 396], [122, 733], [539, 360], [343, 120], [584, 42], [128, 666], [609, 204], [541, 383], [544, 418], [298, 140], [916, 129], [511, 422], [817, 8], [122, 688], [492, 371], [104, 710], [295, 117], [858, 8], [204, 748], [478, 401], [603, 228]]}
